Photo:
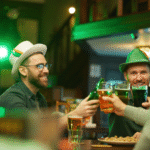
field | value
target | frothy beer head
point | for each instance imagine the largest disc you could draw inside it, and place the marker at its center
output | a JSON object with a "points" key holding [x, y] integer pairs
{"points": [[104, 92], [75, 122]]}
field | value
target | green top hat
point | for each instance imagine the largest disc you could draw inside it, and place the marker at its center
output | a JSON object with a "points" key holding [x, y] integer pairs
{"points": [[135, 56]]}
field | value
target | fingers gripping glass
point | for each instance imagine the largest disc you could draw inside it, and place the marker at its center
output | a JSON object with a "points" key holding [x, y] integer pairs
{"points": [[41, 66]]}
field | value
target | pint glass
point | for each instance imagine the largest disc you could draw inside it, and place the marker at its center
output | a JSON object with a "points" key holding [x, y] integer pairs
{"points": [[75, 122], [139, 94], [105, 90], [122, 90], [75, 131]]}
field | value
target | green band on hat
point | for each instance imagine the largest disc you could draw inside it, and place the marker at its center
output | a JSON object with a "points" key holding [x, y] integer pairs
{"points": [[16, 53], [135, 56]]}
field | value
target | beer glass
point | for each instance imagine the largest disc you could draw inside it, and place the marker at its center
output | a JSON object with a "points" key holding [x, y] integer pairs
{"points": [[75, 131], [139, 94], [105, 90], [75, 136], [75, 122], [122, 90]]}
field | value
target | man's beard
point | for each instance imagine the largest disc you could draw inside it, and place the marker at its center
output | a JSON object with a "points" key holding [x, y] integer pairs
{"points": [[36, 81]]}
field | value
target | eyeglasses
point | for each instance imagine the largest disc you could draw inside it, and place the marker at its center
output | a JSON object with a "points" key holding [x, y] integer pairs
{"points": [[41, 66]]}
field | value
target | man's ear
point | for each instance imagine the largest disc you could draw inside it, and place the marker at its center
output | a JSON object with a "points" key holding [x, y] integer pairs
{"points": [[126, 76], [23, 71]]}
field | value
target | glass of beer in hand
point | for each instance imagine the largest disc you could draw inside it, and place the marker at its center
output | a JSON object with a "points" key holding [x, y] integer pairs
{"points": [[122, 91], [105, 90], [139, 94]]}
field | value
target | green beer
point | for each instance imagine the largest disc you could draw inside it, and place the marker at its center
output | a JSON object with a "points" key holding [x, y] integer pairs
{"points": [[139, 95], [122, 94]]}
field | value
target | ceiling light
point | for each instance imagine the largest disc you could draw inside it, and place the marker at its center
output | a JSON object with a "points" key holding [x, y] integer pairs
{"points": [[72, 10]]}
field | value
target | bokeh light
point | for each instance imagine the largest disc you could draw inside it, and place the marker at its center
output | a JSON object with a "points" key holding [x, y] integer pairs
{"points": [[3, 52], [72, 10]]}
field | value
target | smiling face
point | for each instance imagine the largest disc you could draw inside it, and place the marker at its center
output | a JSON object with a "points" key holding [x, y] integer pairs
{"points": [[35, 76], [137, 74]]}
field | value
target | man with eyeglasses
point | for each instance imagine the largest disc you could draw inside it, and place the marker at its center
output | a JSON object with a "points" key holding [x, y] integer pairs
{"points": [[31, 69]]}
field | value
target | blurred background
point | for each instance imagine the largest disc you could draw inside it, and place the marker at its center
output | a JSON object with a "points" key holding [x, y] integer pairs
{"points": [[84, 44]]}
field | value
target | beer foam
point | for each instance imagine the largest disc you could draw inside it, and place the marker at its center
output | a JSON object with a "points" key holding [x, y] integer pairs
{"points": [[75, 117], [139, 87], [104, 90], [122, 89]]}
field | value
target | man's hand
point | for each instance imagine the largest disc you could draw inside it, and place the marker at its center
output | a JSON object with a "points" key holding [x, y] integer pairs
{"points": [[146, 104], [118, 105], [87, 108], [137, 135]]}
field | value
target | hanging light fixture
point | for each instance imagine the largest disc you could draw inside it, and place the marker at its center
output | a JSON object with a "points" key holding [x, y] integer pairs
{"points": [[143, 41]]}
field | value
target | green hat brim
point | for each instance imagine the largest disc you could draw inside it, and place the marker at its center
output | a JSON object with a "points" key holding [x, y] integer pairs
{"points": [[123, 66]]}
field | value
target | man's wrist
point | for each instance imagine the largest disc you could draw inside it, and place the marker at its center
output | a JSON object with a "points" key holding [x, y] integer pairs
{"points": [[73, 113], [123, 108]]}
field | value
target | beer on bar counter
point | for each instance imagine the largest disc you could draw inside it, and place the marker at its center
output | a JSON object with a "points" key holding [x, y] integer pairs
{"points": [[75, 122]]}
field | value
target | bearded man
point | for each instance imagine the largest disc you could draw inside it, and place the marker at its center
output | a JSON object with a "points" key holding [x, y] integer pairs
{"points": [[32, 70]]}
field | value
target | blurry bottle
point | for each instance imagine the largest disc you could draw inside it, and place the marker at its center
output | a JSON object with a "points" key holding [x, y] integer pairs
{"points": [[149, 89], [88, 121], [94, 94]]}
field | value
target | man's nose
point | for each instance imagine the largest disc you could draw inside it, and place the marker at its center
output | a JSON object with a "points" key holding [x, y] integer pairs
{"points": [[45, 70], [139, 77]]}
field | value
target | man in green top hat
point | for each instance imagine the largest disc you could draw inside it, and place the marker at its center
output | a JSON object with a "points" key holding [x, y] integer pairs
{"points": [[136, 71]]}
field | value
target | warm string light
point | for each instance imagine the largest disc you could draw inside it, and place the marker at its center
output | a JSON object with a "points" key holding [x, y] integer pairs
{"points": [[72, 10]]}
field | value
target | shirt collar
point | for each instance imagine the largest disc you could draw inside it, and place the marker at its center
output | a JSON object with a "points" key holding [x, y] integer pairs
{"points": [[26, 90]]}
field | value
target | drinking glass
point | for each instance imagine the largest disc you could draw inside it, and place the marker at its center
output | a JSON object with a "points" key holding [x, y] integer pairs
{"points": [[122, 90], [75, 122], [139, 94], [75, 131], [105, 90]]}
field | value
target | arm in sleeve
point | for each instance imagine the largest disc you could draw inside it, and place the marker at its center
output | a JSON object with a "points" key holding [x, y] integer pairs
{"points": [[137, 114], [13, 100], [143, 143]]}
